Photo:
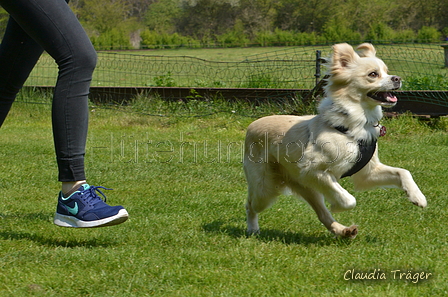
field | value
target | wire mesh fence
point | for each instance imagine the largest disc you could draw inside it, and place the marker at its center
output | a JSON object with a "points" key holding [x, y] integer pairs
{"points": [[422, 67]]}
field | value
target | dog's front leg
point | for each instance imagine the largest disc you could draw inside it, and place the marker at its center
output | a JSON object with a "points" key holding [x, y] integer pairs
{"points": [[339, 198], [316, 200], [376, 174]]}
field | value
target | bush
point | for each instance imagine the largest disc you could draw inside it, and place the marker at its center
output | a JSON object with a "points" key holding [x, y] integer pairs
{"points": [[380, 32], [151, 39], [112, 39], [428, 34], [303, 38], [405, 36], [284, 37], [234, 37], [335, 30], [164, 81], [264, 38], [424, 82], [445, 33]]}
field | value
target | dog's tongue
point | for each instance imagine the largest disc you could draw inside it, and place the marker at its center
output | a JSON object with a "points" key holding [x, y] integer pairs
{"points": [[390, 97]]}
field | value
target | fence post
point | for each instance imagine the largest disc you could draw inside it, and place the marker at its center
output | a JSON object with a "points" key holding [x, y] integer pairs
{"points": [[317, 75], [445, 48]]}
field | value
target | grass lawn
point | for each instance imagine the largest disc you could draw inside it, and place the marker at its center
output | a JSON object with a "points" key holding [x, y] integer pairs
{"points": [[179, 175]]}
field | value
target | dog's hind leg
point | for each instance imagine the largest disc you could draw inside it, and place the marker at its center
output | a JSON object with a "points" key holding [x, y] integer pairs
{"points": [[263, 190], [251, 216], [376, 174], [317, 202]]}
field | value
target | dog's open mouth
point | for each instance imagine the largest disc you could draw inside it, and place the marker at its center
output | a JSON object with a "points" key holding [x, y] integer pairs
{"points": [[385, 98]]}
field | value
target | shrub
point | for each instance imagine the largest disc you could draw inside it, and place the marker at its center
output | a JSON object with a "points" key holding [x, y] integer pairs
{"points": [[335, 30], [283, 38], [428, 34], [235, 37], [445, 33], [164, 80], [149, 39], [232, 39], [380, 31], [304, 38], [423, 82], [152, 39], [264, 38], [112, 39], [405, 36]]}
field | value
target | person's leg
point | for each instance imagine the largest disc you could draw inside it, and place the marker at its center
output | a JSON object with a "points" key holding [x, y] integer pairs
{"points": [[55, 28], [18, 56], [53, 25]]}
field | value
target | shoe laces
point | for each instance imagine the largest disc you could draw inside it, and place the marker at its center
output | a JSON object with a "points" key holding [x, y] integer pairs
{"points": [[91, 197]]}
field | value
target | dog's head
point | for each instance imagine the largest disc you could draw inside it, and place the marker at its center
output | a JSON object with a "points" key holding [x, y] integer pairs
{"points": [[361, 76]]}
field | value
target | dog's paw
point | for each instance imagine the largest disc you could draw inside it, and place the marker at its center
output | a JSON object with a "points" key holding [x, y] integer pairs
{"points": [[419, 199], [253, 232], [350, 232]]}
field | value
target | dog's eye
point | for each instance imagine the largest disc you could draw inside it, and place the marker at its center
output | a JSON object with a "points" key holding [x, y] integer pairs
{"points": [[373, 74]]}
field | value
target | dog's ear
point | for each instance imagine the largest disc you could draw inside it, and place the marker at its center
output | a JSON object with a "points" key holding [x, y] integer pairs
{"points": [[343, 55], [366, 50]]}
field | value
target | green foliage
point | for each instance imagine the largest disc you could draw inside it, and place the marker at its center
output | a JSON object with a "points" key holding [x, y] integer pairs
{"points": [[104, 16], [425, 82], [380, 32], [4, 17], [281, 38], [312, 38], [153, 40], [234, 38], [428, 34], [230, 23], [403, 36], [108, 22], [264, 38], [112, 39], [445, 33], [164, 80], [263, 80], [336, 30], [161, 15]]}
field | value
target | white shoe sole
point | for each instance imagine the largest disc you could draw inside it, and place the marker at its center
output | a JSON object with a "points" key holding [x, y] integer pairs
{"points": [[72, 222]]}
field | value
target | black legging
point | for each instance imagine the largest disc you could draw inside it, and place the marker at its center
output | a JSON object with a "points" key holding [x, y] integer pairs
{"points": [[50, 25]]}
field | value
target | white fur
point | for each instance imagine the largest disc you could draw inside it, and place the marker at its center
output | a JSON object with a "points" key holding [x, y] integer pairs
{"points": [[308, 155]]}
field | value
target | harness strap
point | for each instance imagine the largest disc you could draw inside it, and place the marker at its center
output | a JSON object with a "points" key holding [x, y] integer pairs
{"points": [[366, 151]]}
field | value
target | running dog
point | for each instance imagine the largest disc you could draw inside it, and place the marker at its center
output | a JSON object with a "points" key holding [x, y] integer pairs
{"points": [[309, 154]]}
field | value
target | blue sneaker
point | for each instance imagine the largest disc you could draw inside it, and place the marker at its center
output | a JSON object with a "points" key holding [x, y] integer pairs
{"points": [[86, 209]]}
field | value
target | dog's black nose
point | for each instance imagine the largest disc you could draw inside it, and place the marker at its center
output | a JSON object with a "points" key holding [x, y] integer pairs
{"points": [[396, 79]]}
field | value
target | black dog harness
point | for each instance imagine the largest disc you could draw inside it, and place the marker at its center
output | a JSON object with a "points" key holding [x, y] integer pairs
{"points": [[366, 151]]}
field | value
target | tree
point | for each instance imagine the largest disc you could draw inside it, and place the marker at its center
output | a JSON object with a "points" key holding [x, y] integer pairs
{"points": [[360, 15], [161, 16], [256, 15], [138, 8], [110, 23], [205, 19], [104, 16]]}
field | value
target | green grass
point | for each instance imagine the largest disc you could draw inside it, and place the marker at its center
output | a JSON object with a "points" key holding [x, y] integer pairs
{"points": [[186, 232]]}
